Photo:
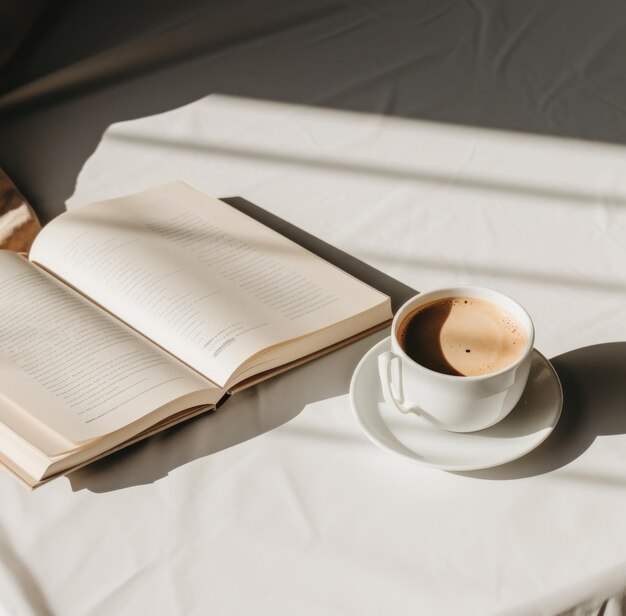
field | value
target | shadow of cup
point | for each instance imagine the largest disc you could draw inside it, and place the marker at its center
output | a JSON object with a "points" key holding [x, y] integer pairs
{"points": [[594, 404]]}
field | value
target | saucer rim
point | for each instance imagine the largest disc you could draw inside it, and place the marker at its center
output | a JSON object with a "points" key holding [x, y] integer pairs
{"points": [[544, 433]]}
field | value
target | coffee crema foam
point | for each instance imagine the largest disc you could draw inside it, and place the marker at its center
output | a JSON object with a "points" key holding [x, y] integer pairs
{"points": [[462, 336]]}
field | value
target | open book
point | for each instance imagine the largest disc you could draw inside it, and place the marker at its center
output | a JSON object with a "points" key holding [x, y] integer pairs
{"points": [[133, 314]]}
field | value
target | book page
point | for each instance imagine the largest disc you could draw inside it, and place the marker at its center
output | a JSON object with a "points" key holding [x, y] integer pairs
{"points": [[204, 281], [70, 368]]}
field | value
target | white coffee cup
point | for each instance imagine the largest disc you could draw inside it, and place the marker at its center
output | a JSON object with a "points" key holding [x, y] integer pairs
{"points": [[455, 403]]}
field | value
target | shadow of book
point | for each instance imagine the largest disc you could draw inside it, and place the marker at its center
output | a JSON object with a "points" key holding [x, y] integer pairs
{"points": [[257, 410], [396, 290]]}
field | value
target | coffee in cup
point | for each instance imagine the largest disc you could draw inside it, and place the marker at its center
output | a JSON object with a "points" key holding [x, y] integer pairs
{"points": [[462, 336]]}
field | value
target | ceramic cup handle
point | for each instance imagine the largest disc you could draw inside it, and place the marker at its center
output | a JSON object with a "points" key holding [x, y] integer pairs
{"points": [[385, 361]]}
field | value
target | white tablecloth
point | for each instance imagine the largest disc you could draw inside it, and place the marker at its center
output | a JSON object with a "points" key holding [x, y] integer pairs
{"points": [[278, 504]]}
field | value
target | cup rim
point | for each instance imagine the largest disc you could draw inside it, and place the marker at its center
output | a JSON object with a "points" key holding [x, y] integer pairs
{"points": [[451, 292]]}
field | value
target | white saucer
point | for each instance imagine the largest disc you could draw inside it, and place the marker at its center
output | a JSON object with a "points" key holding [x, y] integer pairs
{"points": [[526, 426]]}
